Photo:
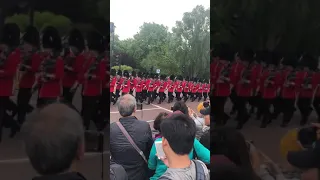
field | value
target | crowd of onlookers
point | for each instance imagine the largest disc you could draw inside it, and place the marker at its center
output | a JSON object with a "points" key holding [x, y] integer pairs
{"points": [[179, 150], [54, 140]]}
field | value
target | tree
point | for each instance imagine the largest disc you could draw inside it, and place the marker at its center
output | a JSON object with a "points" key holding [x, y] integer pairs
{"points": [[184, 51]]}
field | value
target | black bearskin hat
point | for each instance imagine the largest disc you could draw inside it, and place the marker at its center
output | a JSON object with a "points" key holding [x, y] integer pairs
{"points": [[162, 77], [119, 73], [172, 77], [76, 39], [187, 78], [133, 73], [96, 41], [32, 36], [126, 73], [51, 38], [146, 75], [140, 74], [113, 72], [180, 78], [11, 35]]}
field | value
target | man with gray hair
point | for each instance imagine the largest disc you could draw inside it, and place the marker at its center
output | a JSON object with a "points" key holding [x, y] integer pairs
{"points": [[54, 142], [122, 151]]}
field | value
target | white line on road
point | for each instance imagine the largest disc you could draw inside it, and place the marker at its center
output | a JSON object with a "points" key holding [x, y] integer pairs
{"points": [[150, 109], [161, 108], [23, 160]]}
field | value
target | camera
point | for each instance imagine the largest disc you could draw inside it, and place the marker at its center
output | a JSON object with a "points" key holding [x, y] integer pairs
{"points": [[307, 136], [206, 104]]}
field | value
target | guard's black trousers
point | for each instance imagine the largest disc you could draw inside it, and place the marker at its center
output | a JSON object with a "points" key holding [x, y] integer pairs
{"points": [[90, 110], [68, 95], [316, 105], [304, 105], [288, 109], [241, 107], [24, 96], [218, 112]]}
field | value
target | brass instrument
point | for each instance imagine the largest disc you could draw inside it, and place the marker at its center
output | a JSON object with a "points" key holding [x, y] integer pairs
{"points": [[307, 83]]}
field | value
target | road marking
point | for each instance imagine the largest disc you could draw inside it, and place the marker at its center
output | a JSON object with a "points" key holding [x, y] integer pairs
{"points": [[150, 121], [161, 108], [150, 109], [23, 160]]}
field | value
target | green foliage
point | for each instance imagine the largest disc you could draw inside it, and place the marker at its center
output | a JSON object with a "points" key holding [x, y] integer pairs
{"points": [[183, 51], [41, 20], [282, 25], [123, 68]]}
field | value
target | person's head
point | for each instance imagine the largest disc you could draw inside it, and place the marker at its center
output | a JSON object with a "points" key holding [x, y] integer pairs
{"points": [[232, 144], [54, 139], [127, 105], [178, 132], [158, 120], [227, 171], [180, 106], [307, 160]]}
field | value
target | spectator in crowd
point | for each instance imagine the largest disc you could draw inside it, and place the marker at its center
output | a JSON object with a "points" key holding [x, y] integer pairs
{"points": [[157, 165], [178, 134], [122, 151], [157, 122], [200, 122], [117, 172], [308, 160], [54, 142], [232, 144]]}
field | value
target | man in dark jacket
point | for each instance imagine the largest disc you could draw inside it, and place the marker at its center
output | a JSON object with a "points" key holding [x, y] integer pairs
{"points": [[54, 142], [122, 152]]}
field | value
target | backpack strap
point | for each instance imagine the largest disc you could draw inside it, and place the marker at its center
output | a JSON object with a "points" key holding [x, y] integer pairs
{"points": [[199, 170]]}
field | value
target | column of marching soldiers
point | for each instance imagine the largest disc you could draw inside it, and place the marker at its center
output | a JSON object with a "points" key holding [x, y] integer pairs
{"points": [[266, 83], [147, 87], [40, 63]]}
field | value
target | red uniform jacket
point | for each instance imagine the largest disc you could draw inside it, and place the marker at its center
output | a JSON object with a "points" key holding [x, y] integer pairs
{"points": [[179, 86], [316, 83], [146, 84], [256, 75], [53, 87], [120, 81], [171, 86], [200, 89], [126, 86], [29, 77], [113, 84], [222, 89], [8, 74], [195, 88], [299, 79], [307, 92], [139, 85], [245, 89], [186, 86], [207, 88], [162, 88], [156, 85], [236, 69], [213, 71], [71, 77], [151, 86], [133, 83], [287, 92], [93, 86], [270, 91]]}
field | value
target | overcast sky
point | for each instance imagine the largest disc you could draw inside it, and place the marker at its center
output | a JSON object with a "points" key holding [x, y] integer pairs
{"points": [[129, 15]]}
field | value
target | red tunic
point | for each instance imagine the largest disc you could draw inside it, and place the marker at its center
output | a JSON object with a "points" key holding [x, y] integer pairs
{"points": [[245, 89], [120, 81], [113, 84], [126, 86], [256, 73], [236, 69], [8, 74], [186, 87], [195, 88], [71, 77], [270, 91], [171, 86], [93, 86], [29, 77], [52, 88], [139, 85], [222, 89], [179, 86], [162, 87], [151, 86], [200, 89]]}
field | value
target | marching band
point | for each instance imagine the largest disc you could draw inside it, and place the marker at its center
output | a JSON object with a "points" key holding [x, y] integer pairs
{"points": [[148, 87], [269, 83], [38, 64]]}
